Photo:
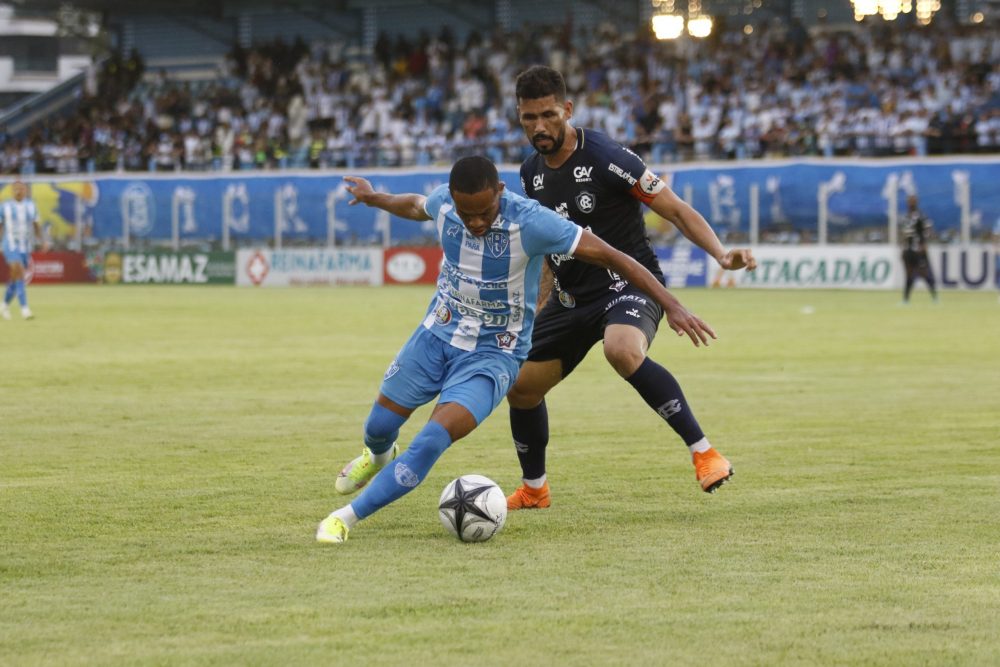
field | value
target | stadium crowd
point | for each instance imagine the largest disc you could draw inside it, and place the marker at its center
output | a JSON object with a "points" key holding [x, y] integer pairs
{"points": [[880, 89]]}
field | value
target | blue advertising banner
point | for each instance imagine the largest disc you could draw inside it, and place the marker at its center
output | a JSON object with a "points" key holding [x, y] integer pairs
{"points": [[311, 207], [858, 192], [684, 265]]}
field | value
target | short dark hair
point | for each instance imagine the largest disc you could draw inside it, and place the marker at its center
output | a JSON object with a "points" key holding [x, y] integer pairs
{"points": [[473, 174], [539, 81]]}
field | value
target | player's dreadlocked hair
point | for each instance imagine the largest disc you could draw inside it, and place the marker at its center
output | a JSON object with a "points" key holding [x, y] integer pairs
{"points": [[539, 81], [473, 174]]}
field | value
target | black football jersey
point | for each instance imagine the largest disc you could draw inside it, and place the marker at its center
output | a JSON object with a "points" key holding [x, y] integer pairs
{"points": [[600, 187], [917, 231]]}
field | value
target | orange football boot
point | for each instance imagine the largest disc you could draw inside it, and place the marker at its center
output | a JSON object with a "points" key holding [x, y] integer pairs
{"points": [[527, 498], [710, 468]]}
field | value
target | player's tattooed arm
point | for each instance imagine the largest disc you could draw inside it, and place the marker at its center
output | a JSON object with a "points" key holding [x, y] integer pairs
{"points": [[696, 229], [409, 206]]}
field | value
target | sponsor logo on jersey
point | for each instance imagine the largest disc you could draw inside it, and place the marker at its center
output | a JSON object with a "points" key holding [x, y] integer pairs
{"points": [[404, 476], [497, 242], [618, 285], [586, 202], [392, 370], [634, 312], [472, 243], [537, 182], [506, 340], [567, 299], [562, 209], [615, 169], [454, 230], [442, 315], [582, 174]]}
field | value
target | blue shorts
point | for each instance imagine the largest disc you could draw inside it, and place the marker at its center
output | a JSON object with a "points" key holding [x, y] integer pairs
{"points": [[428, 366], [16, 256]]}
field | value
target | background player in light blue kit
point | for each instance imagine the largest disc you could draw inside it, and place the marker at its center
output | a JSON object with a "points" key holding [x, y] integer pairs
{"points": [[19, 228], [477, 331]]}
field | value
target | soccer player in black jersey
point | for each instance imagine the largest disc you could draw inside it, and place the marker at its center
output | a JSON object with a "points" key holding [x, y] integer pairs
{"points": [[600, 185], [915, 261]]}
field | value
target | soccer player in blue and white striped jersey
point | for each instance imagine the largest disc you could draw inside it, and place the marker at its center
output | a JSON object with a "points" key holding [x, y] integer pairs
{"points": [[19, 229], [477, 330]]}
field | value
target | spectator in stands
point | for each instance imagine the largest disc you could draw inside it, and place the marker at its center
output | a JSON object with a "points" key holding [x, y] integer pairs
{"points": [[879, 89]]}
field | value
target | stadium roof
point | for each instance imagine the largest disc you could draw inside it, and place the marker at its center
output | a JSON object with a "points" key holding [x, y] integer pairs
{"points": [[212, 7]]}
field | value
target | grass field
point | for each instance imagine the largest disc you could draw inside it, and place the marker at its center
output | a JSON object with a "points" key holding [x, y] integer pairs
{"points": [[166, 453]]}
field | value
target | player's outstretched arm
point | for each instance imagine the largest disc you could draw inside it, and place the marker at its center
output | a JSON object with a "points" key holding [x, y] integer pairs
{"points": [[409, 206], [697, 230], [593, 250]]}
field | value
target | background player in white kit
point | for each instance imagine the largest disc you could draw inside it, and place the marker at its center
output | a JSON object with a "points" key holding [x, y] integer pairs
{"points": [[19, 228]]}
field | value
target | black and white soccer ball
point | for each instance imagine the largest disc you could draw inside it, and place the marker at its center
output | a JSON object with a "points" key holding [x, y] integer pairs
{"points": [[473, 508]]}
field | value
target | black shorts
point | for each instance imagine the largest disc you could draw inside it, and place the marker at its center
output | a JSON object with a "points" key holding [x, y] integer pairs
{"points": [[916, 263], [568, 334]]}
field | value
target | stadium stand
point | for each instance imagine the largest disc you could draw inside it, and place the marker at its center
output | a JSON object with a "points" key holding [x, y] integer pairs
{"points": [[427, 96]]}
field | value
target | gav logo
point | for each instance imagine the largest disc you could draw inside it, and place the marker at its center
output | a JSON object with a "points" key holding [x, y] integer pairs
{"points": [[582, 174], [497, 242], [536, 182]]}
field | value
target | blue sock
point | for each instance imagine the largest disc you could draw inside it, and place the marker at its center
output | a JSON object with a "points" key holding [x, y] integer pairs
{"points": [[382, 428], [9, 294], [22, 298], [402, 475], [662, 393]]}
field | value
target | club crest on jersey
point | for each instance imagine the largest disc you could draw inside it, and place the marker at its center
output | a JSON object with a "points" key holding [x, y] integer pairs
{"points": [[442, 315], [506, 340], [537, 181], [567, 300], [497, 242], [586, 202], [582, 174]]}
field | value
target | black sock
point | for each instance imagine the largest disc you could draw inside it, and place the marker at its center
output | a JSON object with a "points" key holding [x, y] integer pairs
{"points": [[530, 429], [662, 393]]}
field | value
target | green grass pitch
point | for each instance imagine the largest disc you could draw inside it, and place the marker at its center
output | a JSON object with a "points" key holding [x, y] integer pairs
{"points": [[166, 454]]}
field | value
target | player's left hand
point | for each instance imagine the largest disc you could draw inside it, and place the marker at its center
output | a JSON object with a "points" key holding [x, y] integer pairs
{"points": [[684, 322], [739, 258]]}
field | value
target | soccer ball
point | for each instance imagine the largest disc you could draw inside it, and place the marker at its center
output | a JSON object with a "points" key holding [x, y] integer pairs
{"points": [[472, 508]]}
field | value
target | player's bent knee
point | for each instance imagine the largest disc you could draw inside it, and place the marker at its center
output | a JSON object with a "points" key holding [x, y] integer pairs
{"points": [[624, 359], [523, 399]]}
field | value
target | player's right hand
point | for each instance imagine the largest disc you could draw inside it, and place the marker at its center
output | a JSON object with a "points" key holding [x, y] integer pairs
{"points": [[684, 322], [360, 188]]}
